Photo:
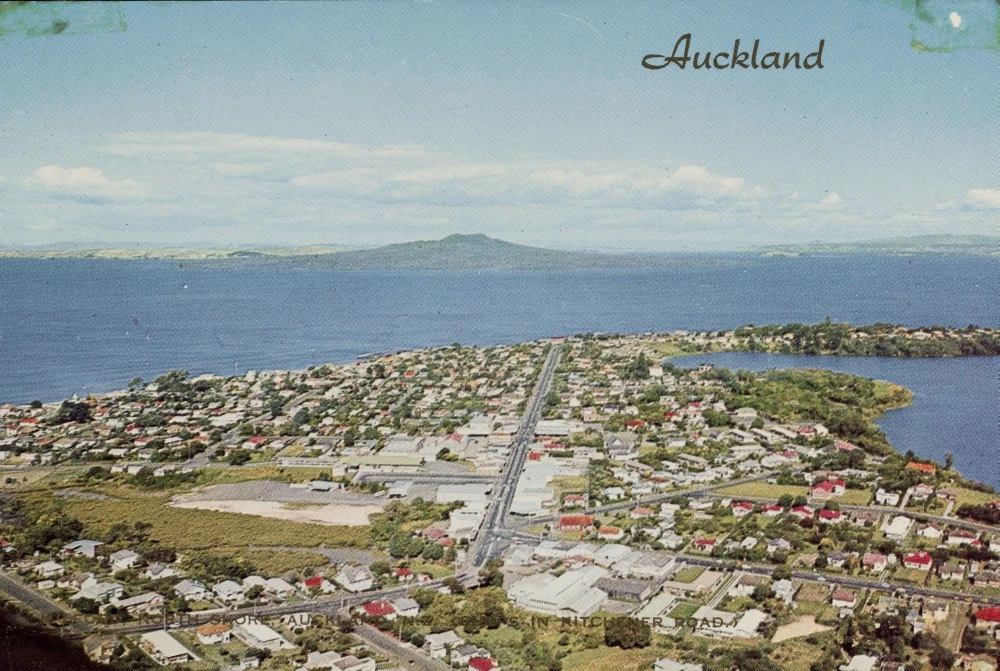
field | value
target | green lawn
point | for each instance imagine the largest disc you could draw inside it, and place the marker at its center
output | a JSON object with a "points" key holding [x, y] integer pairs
{"points": [[603, 658], [683, 610], [764, 490], [689, 574]]}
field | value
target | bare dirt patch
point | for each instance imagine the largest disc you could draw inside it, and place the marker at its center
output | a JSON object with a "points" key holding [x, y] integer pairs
{"points": [[800, 627], [332, 514]]}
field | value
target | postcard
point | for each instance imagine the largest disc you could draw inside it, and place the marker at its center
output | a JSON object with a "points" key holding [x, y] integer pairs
{"points": [[521, 336]]}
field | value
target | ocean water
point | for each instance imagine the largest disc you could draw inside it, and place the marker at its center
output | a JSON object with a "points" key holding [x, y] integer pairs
{"points": [[956, 404], [76, 326]]}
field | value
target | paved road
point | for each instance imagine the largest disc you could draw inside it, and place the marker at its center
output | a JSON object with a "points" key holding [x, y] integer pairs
{"points": [[29, 597], [503, 492], [393, 648]]}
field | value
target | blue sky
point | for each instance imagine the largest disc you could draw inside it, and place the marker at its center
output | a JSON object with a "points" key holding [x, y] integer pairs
{"points": [[368, 123]]}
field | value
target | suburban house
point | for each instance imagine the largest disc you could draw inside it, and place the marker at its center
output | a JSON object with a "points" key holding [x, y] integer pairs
{"points": [[257, 635], [951, 571], [482, 664], [961, 537], [381, 608], [898, 528], [352, 663], [317, 582], [211, 633], [406, 607], [844, 598], [192, 590], [827, 489], [920, 561], [803, 512], [101, 592], [575, 522], [831, 516], [355, 578], [610, 533], [439, 646], [932, 531], [874, 561], [123, 559], [165, 649], [885, 498], [988, 618], [49, 569], [229, 591], [149, 603], [923, 469], [83, 548], [159, 571], [741, 508]]}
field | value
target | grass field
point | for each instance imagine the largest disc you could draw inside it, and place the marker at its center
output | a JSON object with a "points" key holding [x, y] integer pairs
{"points": [[213, 476], [764, 490], [276, 562], [796, 654], [971, 497], [689, 574], [683, 610], [18, 479], [566, 484], [604, 658], [193, 529]]}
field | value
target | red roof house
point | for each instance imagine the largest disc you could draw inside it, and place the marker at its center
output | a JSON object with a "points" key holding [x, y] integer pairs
{"points": [[482, 664], [380, 608], [831, 516], [575, 522], [918, 560], [989, 617]]}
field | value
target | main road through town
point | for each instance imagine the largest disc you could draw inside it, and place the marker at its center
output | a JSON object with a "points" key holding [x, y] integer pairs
{"points": [[482, 547]]}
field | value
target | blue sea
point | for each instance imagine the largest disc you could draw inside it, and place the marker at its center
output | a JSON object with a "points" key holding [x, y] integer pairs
{"points": [[76, 326]]}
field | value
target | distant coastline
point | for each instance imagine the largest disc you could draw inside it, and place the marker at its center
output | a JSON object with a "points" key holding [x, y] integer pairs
{"points": [[480, 252]]}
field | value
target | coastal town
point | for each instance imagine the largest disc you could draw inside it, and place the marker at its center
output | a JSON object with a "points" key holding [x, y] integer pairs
{"points": [[567, 504]]}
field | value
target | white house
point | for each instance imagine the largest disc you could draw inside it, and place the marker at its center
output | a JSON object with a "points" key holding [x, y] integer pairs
{"points": [[884, 498], [257, 635], [49, 569], [440, 645], [192, 590], [123, 559], [354, 578], [229, 591], [165, 649]]}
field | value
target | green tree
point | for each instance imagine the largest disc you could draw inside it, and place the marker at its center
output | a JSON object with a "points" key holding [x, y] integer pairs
{"points": [[627, 633]]}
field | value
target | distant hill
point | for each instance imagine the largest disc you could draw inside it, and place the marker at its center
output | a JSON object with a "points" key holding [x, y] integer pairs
{"points": [[983, 245], [462, 252]]}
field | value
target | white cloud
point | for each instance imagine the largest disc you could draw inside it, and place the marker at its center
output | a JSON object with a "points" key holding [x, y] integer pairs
{"points": [[194, 145], [831, 201], [987, 199], [523, 182], [357, 180], [84, 184]]}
